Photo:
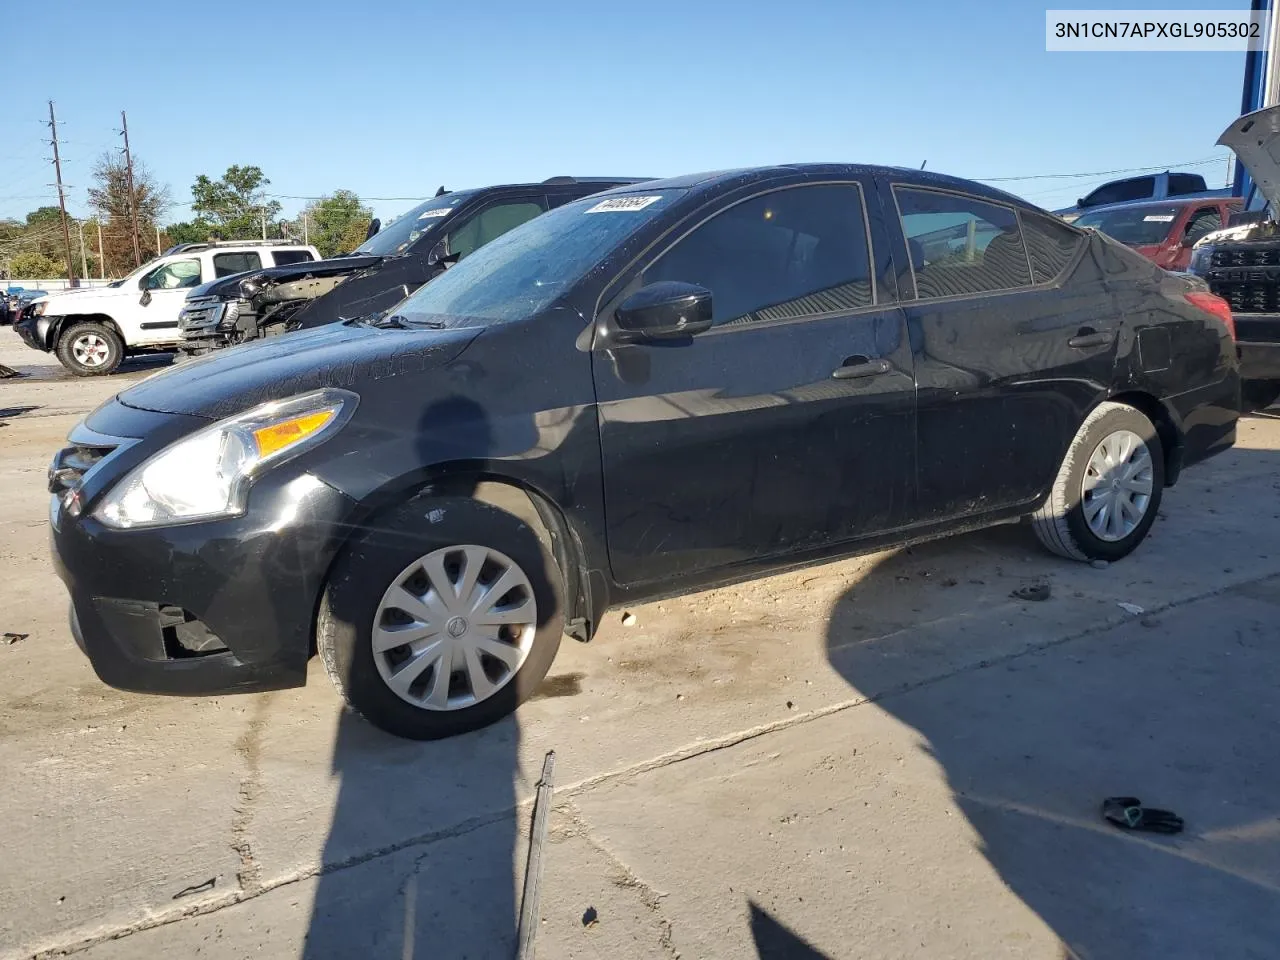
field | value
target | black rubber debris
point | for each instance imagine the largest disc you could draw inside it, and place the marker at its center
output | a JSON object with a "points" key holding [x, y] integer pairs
{"points": [[1128, 813], [11, 638], [590, 918], [1031, 591]]}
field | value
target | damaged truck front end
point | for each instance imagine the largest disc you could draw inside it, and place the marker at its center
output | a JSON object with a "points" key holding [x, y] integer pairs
{"points": [[262, 303]]}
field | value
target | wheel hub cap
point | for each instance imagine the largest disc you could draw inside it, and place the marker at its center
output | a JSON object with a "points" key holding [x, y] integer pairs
{"points": [[1117, 485], [91, 350], [454, 627]]}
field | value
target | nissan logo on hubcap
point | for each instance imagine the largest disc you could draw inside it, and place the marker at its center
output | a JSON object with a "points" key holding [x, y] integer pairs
{"points": [[456, 627]]}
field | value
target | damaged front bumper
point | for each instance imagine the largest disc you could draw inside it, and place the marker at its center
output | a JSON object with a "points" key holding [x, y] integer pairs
{"points": [[207, 324]]}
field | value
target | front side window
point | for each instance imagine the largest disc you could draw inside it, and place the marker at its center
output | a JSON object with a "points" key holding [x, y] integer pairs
{"points": [[792, 253], [176, 275], [225, 264], [960, 244], [1122, 191], [489, 224], [399, 235]]}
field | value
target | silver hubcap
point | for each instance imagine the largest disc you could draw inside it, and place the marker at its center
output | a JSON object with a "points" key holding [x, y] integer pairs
{"points": [[1117, 485], [454, 627], [90, 350]]}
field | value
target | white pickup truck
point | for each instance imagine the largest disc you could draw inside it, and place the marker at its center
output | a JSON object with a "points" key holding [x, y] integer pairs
{"points": [[92, 330]]}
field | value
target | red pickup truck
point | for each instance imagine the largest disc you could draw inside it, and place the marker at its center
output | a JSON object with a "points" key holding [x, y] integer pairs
{"points": [[1163, 231]]}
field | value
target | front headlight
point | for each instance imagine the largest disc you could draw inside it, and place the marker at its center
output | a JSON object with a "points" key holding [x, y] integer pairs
{"points": [[208, 473], [38, 309]]}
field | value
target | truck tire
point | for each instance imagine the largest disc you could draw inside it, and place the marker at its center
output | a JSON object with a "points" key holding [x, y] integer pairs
{"points": [[1105, 497], [90, 349]]}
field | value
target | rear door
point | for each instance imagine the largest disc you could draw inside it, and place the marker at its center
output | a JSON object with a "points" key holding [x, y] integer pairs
{"points": [[1008, 358], [788, 425]]}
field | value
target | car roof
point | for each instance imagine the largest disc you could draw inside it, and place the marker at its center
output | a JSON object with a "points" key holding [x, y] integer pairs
{"points": [[1166, 202], [717, 180]]}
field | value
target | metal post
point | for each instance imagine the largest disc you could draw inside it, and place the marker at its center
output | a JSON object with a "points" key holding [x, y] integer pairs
{"points": [[102, 257], [133, 205], [305, 236], [62, 200], [263, 211], [84, 259], [157, 239]]}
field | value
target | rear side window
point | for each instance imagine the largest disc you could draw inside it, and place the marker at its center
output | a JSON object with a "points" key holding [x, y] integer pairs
{"points": [[225, 264], [285, 257], [1050, 243], [793, 253], [1183, 183], [1138, 188], [960, 244]]}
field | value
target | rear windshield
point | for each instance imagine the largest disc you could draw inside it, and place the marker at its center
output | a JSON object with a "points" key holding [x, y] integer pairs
{"points": [[1137, 226], [526, 269]]}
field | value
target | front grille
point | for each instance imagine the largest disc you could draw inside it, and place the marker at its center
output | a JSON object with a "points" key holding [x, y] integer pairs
{"points": [[1249, 296], [1246, 257], [199, 315], [72, 463]]}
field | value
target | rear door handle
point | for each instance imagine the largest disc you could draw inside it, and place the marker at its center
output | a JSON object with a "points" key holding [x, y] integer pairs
{"points": [[861, 366], [1089, 337]]}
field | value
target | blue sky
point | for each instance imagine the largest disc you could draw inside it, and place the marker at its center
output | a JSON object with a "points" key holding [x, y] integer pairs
{"points": [[392, 99]]}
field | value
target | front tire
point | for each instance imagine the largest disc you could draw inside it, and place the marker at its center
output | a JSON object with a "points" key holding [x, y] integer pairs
{"points": [[1108, 489], [90, 349], [412, 632]]}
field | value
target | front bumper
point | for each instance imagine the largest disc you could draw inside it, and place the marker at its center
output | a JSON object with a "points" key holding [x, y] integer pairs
{"points": [[1259, 361], [210, 607], [207, 324], [34, 331]]}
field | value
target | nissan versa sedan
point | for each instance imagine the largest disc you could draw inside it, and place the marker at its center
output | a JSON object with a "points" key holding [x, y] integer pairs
{"points": [[653, 389]]}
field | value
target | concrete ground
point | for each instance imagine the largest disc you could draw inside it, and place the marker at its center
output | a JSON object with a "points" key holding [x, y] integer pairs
{"points": [[880, 757]]}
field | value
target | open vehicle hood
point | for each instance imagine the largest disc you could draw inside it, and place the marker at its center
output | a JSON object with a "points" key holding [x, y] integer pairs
{"points": [[246, 285], [1255, 138], [344, 355]]}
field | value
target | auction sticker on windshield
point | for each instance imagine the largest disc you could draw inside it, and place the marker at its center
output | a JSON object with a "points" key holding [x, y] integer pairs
{"points": [[623, 204], [433, 214], [1159, 218]]}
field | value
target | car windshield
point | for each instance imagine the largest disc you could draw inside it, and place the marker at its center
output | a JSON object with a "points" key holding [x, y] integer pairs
{"points": [[524, 270], [1136, 226], [396, 237]]}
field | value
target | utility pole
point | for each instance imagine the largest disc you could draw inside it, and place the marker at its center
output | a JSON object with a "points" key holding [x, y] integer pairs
{"points": [[84, 259], [133, 206], [157, 239], [263, 211], [102, 257], [62, 200], [305, 238]]}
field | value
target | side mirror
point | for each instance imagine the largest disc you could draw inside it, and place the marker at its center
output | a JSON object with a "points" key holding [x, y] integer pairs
{"points": [[374, 226], [437, 253], [1080, 201], [145, 298], [667, 310]]}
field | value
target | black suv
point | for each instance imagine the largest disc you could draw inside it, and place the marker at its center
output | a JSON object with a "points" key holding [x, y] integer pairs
{"points": [[643, 392], [381, 272]]}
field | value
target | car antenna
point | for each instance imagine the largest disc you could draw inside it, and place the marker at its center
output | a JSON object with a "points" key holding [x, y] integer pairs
{"points": [[922, 166], [442, 191]]}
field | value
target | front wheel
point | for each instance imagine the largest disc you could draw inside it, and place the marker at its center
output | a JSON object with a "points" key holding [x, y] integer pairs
{"points": [[443, 616], [90, 349], [1105, 497]]}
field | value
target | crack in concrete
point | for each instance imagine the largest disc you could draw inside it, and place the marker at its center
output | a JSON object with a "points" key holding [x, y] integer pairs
{"points": [[249, 748], [623, 877], [568, 792]]}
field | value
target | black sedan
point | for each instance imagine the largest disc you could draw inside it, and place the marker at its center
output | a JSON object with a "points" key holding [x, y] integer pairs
{"points": [[657, 388]]}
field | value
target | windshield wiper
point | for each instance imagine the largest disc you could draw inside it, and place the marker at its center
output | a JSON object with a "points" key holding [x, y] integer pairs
{"points": [[396, 322]]}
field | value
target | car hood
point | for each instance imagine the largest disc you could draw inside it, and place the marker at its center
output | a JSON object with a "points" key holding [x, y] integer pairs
{"points": [[244, 285], [344, 355], [1255, 138]]}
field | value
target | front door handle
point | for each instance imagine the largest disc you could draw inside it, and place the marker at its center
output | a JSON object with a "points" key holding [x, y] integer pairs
{"points": [[861, 366], [1089, 337]]}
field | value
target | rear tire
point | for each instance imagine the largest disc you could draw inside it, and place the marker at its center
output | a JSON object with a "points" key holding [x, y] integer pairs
{"points": [[90, 349], [1258, 394], [360, 616], [1108, 489]]}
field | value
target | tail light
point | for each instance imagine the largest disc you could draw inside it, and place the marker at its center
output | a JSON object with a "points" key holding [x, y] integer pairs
{"points": [[1214, 304]]}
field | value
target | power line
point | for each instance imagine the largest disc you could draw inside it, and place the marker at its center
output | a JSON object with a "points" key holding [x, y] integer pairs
{"points": [[1103, 173]]}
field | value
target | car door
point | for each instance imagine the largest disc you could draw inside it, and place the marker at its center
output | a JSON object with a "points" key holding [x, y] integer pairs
{"points": [[153, 314], [1008, 357], [787, 425]]}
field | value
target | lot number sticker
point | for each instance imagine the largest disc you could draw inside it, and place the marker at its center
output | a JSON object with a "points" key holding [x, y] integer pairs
{"points": [[623, 204], [434, 214], [1161, 218]]}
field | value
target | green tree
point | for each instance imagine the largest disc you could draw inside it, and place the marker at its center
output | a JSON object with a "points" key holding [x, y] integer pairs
{"points": [[43, 233], [198, 230], [337, 223], [235, 204], [33, 265]]}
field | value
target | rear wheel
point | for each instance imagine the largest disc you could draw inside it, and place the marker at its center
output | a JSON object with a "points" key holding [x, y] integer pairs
{"points": [[1108, 489], [443, 617], [90, 349]]}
